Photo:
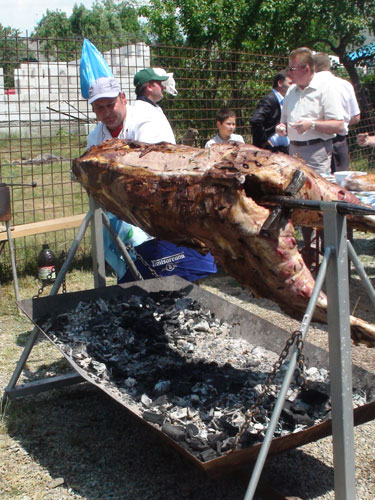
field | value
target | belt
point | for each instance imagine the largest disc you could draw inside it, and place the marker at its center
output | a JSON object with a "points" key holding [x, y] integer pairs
{"points": [[339, 138], [308, 143]]}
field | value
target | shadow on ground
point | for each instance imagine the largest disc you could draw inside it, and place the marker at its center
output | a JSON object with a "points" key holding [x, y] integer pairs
{"points": [[102, 453]]}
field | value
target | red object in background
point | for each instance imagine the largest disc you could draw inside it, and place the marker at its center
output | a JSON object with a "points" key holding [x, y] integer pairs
{"points": [[10, 91]]}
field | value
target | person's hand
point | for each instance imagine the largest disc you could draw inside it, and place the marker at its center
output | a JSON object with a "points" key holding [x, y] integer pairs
{"points": [[281, 129], [302, 126], [364, 140]]}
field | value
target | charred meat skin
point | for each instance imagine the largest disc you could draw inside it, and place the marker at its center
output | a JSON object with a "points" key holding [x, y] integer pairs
{"points": [[211, 199]]}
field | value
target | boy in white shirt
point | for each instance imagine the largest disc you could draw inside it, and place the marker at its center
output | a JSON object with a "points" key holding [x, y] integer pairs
{"points": [[226, 125]]}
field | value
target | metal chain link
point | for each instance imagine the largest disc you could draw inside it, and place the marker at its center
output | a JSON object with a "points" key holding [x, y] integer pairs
{"points": [[45, 282], [48, 280], [144, 262], [296, 338], [62, 259]]}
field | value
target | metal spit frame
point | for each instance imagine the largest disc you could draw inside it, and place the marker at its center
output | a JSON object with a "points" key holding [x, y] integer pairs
{"points": [[97, 217], [333, 267]]}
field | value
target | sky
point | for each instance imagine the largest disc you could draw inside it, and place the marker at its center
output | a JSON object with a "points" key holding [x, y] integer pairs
{"points": [[25, 14]]}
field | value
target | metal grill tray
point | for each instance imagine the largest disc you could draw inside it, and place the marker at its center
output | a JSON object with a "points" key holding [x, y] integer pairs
{"points": [[244, 324]]}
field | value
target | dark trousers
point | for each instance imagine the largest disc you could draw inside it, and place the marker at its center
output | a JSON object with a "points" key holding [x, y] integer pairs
{"points": [[340, 154]]}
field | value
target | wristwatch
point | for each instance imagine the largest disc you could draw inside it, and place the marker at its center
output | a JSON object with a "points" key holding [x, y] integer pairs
{"points": [[312, 128]]}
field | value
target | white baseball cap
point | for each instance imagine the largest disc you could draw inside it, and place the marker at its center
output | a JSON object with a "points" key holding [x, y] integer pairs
{"points": [[104, 86]]}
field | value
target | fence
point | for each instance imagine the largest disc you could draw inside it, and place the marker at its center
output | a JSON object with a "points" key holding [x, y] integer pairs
{"points": [[44, 121]]}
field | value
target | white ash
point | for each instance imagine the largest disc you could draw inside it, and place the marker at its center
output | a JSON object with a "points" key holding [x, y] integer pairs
{"points": [[181, 368]]}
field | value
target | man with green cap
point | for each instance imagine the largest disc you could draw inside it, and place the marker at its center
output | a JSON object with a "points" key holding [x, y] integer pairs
{"points": [[148, 122]]}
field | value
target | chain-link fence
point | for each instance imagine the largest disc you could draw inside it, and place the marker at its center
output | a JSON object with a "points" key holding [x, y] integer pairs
{"points": [[44, 121]]}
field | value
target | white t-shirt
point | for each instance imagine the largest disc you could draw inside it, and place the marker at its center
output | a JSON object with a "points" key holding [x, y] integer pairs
{"points": [[218, 140], [348, 99], [148, 123], [318, 101]]}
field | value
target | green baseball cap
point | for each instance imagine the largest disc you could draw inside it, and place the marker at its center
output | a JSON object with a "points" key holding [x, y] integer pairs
{"points": [[147, 75]]}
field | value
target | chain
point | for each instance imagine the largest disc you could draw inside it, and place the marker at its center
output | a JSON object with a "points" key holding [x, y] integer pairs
{"points": [[61, 259], [49, 280], [144, 262], [45, 282], [296, 338]]}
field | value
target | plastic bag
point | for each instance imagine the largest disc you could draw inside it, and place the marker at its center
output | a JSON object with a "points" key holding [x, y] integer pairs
{"points": [[130, 235], [92, 66], [168, 85]]}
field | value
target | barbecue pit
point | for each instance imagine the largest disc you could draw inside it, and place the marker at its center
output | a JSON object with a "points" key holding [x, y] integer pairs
{"points": [[243, 325]]}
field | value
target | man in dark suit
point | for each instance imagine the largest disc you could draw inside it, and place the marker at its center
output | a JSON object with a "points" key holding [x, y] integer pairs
{"points": [[267, 115]]}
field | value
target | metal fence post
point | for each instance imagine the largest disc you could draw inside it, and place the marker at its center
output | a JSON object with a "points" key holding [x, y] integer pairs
{"points": [[97, 244]]}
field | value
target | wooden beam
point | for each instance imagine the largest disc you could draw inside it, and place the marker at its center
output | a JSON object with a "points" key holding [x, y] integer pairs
{"points": [[43, 226]]}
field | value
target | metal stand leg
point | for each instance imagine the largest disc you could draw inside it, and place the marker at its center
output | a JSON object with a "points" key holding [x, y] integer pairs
{"points": [[96, 217], [13, 261], [336, 272], [340, 356], [11, 389], [259, 464], [97, 244]]}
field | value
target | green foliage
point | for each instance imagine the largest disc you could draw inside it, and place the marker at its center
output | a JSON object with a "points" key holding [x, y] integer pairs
{"points": [[272, 26], [12, 50], [108, 21], [266, 26]]}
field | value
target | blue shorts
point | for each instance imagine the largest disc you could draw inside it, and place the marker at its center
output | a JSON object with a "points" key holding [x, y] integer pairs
{"points": [[168, 259]]}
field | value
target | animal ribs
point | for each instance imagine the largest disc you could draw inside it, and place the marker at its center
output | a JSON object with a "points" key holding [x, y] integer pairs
{"points": [[211, 200]]}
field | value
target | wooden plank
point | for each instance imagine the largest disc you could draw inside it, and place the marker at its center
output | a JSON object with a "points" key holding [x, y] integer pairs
{"points": [[43, 226]]}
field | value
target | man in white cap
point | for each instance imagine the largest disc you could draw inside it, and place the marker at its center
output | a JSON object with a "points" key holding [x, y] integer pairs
{"points": [[110, 107], [146, 122], [109, 104]]}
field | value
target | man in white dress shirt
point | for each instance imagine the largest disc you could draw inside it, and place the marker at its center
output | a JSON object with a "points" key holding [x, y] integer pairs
{"points": [[312, 113], [352, 113]]}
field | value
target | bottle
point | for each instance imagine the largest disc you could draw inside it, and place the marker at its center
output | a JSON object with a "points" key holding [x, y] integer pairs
{"points": [[46, 261]]}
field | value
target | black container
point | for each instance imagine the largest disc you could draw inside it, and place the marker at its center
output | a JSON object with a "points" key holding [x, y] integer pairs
{"points": [[46, 261], [4, 202]]}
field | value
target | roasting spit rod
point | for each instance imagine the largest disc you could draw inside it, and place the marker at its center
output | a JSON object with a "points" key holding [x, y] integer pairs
{"points": [[342, 207]]}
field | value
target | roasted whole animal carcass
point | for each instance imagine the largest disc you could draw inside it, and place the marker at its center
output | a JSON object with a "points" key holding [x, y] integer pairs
{"points": [[210, 199], [360, 182]]}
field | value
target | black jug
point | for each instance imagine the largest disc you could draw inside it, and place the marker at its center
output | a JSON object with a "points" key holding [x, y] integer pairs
{"points": [[46, 261]]}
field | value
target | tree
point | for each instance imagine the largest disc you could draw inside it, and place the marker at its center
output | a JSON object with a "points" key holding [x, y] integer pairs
{"points": [[199, 23], [12, 50], [108, 21], [334, 27], [266, 26]]}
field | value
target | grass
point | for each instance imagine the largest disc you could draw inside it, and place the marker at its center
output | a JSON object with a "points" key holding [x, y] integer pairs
{"points": [[55, 194]]}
